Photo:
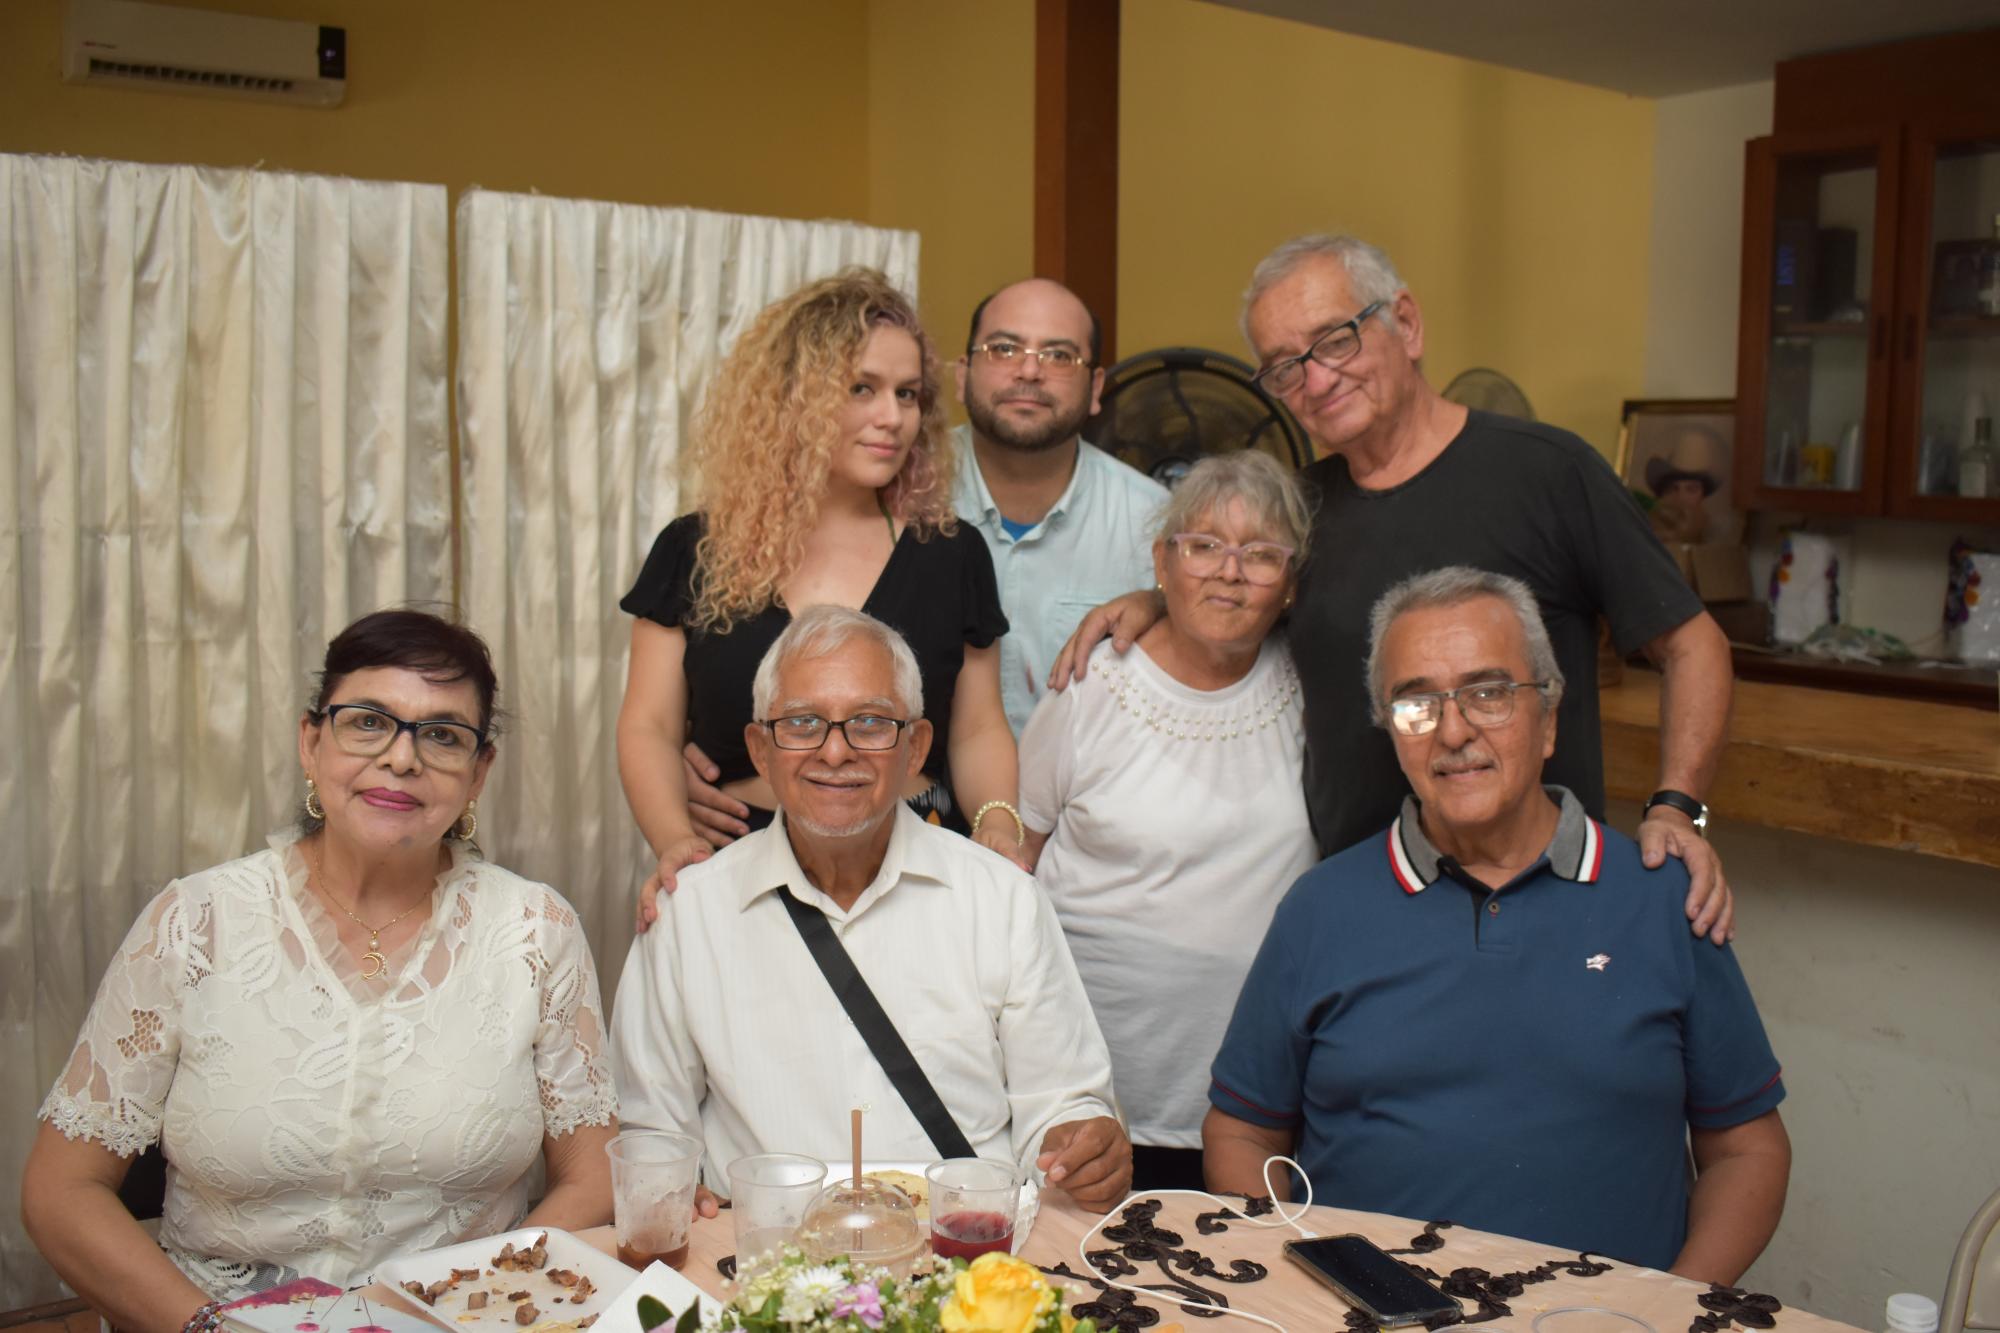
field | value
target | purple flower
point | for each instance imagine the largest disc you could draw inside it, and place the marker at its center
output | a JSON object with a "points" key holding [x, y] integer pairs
{"points": [[860, 1301]]}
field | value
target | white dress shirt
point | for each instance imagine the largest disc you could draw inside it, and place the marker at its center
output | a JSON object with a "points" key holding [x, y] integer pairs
{"points": [[1094, 544], [725, 1029]]}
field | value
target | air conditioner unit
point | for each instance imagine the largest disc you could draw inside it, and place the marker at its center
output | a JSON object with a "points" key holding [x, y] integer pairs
{"points": [[120, 43]]}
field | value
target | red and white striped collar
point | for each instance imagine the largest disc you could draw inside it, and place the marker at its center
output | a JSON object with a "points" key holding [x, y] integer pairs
{"points": [[1576, 852]]}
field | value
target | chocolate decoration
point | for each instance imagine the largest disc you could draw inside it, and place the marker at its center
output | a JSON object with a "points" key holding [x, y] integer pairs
{"points": [[1727, 1305], [1140, 1240]]}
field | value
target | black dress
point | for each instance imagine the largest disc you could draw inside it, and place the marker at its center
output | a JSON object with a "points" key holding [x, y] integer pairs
{"points": [[937, 591]]}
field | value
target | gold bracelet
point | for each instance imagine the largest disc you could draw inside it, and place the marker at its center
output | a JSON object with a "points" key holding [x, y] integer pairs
{"points": [[1020, 829]]}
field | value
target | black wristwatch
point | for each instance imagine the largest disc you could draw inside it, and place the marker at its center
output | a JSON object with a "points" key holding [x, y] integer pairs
{"points": [[1681, 801]]}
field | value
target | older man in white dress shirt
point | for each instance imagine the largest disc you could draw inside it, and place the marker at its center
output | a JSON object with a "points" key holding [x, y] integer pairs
{"points": [[726, 1029]]}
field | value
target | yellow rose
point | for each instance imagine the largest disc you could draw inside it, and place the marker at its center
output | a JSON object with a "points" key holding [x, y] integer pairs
{"points": [[997, 1294]]}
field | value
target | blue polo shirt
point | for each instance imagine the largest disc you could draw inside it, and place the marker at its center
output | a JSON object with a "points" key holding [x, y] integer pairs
{"points": [[1525, 1060]]}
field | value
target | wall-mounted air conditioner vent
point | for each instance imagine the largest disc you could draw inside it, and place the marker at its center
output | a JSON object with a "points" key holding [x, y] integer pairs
{"points": [[122, 43]]}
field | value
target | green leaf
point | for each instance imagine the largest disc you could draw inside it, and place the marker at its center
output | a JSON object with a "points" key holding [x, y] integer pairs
{"points": [[690, 1319], [652, 1313]]}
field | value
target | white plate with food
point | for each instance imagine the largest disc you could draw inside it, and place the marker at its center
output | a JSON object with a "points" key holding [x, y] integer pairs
{"points": [[909, 1178], [534, 1278]]}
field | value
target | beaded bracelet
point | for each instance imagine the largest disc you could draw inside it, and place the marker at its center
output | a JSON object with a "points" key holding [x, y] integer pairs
{"points": [[1020, 829], [205, 1319]]}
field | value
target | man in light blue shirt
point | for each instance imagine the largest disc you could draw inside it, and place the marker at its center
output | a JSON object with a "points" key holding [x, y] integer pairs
{"points": [[1069, 525]]}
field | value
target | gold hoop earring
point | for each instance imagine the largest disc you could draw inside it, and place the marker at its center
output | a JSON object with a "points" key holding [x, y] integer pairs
{"points": [[468, 823], [314, 810]]}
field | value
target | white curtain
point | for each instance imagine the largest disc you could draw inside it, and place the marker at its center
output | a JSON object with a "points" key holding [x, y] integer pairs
{"points": [[585, 333], [222, 436]]}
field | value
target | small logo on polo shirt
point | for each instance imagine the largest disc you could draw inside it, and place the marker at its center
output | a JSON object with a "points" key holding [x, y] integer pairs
{"points": [[1597, 961]]}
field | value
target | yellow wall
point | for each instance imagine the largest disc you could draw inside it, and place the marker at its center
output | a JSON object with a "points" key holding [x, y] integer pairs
{"points": [[1516, 206], [951, 133], [902, 113], [755, 108]]}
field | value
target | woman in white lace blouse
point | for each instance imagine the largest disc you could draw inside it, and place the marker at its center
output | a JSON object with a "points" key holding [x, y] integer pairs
{"points": [[1163, 801], [353, 1044]]}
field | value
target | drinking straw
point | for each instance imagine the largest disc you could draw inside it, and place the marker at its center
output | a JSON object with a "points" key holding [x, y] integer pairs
{"points": [[855, 1124]]}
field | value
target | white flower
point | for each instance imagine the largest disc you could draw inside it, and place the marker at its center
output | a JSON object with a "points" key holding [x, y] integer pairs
{"points": [[807, 1290]]}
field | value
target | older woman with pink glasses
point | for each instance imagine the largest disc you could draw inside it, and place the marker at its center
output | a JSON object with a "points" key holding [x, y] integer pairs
{"points": [[1163, 803]]}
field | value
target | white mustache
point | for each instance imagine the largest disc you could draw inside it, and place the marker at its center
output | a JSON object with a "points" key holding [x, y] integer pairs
{"points": [[1463, 761]]}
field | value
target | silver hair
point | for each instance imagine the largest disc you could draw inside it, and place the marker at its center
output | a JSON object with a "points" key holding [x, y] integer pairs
{"points": [[820, 630], [1271, 493], [1452, 586], [1369, 272]]}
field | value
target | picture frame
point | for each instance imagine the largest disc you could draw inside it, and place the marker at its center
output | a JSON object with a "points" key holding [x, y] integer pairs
{"points": [[1662, 441], [1955, 274]]}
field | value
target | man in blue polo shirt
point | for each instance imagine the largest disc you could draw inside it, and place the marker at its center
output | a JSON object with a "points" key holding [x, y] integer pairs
{"points": [[1492, 1012], [1069, 526]]}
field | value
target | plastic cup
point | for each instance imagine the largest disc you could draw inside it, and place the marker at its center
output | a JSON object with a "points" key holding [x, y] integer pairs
{"points": [[974, 1203], [768, 1197], [652, 1195], [873, 1224]]}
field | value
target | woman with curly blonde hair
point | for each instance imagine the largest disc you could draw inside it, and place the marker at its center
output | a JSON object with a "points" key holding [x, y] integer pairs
{"points": [[821, 473]]}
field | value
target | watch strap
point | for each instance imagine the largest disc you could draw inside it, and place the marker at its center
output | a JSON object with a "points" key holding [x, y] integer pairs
{"points": [[1681, 801]]}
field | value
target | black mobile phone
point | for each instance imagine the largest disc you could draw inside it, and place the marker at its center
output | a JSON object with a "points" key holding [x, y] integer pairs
{"points": [[1370, 1279]]}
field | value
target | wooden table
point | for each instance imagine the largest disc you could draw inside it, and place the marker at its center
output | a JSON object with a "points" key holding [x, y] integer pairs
{"points": [[1287, 1295]]}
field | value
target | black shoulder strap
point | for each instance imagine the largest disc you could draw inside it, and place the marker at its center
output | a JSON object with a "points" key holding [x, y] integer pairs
{"points": [[884, 1042]]}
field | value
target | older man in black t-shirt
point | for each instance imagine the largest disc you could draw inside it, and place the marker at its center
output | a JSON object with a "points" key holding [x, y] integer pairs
{"points": [[1410, 482]]}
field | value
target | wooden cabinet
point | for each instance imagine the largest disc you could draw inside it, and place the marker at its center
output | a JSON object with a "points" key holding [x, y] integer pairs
{"points": [[1869, 340], [1947, 352]]}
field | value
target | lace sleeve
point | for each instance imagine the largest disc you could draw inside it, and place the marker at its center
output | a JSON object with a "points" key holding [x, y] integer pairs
{"points": [[114, 1089], [572, 1065]]}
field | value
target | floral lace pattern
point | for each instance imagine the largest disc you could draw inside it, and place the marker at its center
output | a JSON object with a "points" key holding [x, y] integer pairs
{"points": [[316, 1122]]}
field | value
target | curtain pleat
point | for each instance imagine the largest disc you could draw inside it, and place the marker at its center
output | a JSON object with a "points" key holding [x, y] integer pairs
{"points": [[222, 415], [585, 333]]}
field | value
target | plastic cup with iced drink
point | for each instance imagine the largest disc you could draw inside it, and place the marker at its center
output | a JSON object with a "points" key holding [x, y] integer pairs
{"points": [[652, 1195], [871, 1223]]}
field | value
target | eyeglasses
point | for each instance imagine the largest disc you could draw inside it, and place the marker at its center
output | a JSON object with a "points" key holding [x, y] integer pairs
{"points": [[863, 731], [1485, 703], [1332, 348], [1202, 555], [1054, 361], [365, 732]]}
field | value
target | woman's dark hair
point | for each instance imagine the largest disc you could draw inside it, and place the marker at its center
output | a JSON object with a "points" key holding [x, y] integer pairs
{"points": [[440, 650]]}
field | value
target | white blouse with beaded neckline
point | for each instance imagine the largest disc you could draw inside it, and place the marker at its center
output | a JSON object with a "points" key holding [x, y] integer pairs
{"points": [[1176, 820]]}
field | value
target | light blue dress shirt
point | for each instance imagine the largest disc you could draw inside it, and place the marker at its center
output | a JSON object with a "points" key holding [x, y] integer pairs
{"points": [[1095, 543]]}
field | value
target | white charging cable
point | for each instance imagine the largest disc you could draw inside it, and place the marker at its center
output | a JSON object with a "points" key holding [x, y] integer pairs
{"points": [[1283, 1219]]}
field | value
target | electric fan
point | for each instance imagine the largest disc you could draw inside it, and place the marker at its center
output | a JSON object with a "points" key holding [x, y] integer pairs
{"points": [[1490, 391], [1164, 411]]}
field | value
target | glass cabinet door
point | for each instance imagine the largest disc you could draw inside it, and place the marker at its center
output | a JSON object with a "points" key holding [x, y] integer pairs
{"points": [[1813, 387], [1949, 343]]}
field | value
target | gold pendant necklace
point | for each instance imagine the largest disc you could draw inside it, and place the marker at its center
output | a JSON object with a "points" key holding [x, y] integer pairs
{"points": [[372, 962]]}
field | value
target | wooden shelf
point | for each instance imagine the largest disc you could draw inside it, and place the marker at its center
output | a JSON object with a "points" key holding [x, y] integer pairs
{"points": [[1944, 682], [1906, 774], [1965, 326], [1820, 328]]}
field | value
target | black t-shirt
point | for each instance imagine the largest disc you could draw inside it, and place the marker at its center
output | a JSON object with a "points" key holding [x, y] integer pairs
{"points": [[1513, 497], [938, 592]]}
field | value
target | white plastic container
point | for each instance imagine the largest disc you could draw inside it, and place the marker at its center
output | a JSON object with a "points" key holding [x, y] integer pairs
{"points": [[1911, 1313]]}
